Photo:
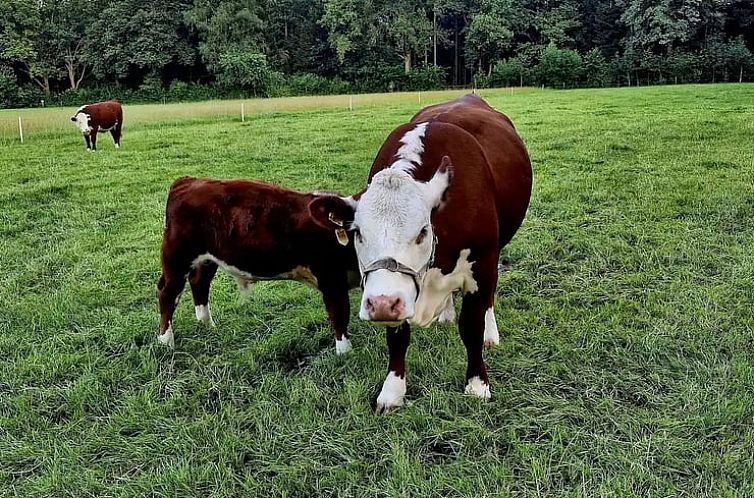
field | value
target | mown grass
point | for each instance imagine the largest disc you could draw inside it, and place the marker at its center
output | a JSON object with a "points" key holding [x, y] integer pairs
{"points": [[625, 366]]}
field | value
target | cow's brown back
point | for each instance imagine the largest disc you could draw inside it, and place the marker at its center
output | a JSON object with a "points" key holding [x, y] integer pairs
{"points": [[104, 115], [506, 154]]}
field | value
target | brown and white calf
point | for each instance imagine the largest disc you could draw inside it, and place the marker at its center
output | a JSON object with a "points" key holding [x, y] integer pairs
{"points": [[254, 231], [99, 118], [445, 193]]}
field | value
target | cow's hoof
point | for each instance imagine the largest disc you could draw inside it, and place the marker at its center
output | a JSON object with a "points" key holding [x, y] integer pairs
{"points": [[342, 346], [387, 406], [167, 338], [91, 150], [393, 394], [117, 146], [478, 388]]}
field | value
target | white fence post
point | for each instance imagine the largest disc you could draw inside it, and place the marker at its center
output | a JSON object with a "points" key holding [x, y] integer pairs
{"points": [[21, 129], [420, 98], [350, 102], [243, 116]]}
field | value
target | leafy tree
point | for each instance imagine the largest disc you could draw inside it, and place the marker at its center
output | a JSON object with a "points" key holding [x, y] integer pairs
{"points": [[596, 68], [403, 25], [134, 39], [489, 33], [227, 26], [740, 58], [559, 67], [556, 22], [245, 69], [511, 72], [662, 24]]}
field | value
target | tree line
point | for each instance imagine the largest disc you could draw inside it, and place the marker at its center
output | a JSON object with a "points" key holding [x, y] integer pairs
{"points": [[70, 51]]}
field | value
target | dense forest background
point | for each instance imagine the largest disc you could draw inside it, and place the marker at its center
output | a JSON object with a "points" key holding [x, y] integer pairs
{"points": [[72, 51]]}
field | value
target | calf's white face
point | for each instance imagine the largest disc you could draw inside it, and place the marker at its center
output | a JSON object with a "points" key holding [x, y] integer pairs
{"points": [[392, 220], [82, 122]]}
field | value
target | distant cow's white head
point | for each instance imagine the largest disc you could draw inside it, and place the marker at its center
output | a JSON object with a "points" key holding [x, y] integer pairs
{"points": [[81, 120], [393, 237]]}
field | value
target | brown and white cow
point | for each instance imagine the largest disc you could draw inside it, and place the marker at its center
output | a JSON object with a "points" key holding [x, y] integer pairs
{"points": [[446, 192], [99, 118], [254, 231]]}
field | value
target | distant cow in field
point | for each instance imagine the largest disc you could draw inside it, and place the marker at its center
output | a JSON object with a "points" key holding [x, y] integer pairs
{"points": [[446, 192], [254, 231], [99, 118]]}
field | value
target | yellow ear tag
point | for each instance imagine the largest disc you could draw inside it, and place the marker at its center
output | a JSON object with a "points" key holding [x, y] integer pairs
{"points": [[341, 236], [334, 219]]}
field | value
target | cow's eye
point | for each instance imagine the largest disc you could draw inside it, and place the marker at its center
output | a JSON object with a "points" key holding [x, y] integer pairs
{"points": [[422, 235]]}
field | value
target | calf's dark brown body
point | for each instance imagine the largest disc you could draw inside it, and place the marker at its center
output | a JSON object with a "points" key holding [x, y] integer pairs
{"points": [[256, 231]]}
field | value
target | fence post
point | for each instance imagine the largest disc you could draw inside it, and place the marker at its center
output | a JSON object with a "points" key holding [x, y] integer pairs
{"points": [[420, 98], [243, 116], [350, 102], [21, 129]]}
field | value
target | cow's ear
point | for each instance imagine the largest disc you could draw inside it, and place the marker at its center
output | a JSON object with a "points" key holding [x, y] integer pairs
{"points": [[436, 188], [73, 118], [333, 212]]}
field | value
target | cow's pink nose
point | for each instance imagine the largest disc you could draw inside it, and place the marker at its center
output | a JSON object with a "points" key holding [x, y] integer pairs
{"points": [[384, 308]]}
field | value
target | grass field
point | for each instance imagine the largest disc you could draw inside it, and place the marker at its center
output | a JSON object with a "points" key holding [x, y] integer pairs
{"points": [[626, 363]]}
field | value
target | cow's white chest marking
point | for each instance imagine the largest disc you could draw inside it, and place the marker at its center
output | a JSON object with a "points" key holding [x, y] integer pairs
{"points": [[436, 288]]}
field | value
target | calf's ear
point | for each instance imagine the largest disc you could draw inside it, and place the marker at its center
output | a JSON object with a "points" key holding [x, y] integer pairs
{"points": [[333, 212]]}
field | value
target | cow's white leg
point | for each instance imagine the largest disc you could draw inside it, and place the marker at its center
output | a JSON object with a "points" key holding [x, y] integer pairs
{"points": [[343, 345], [117, 146], [167, 338], [203, 315], [491, 335], [448, 314], [478, 387], [393, 393]]}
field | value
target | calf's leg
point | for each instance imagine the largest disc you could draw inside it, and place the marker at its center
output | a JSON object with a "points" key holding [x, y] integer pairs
{"points": [[393, 394], [169, 289], [335, 297], [88, 142], [200, 279]]}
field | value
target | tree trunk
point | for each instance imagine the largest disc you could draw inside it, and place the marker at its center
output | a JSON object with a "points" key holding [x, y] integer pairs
{"points": [[434, 37], [71, 75], [741, 74], [455, 55], [407, 62]]}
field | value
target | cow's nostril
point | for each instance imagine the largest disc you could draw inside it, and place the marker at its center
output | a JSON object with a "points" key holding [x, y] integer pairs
{"points": [[370, 304], [395, 304]]}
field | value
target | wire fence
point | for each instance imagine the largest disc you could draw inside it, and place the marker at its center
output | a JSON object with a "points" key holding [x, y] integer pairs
{"points": [[31, 124]]}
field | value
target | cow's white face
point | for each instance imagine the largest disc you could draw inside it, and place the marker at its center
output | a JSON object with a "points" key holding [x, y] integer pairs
{"points": [[82, 122], [392, 221]]}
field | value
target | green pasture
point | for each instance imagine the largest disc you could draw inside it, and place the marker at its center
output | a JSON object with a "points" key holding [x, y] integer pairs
{"points": [[626, 311]]}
